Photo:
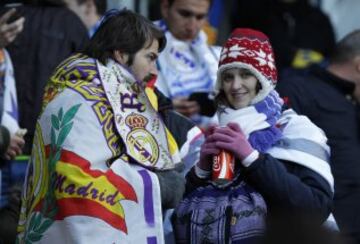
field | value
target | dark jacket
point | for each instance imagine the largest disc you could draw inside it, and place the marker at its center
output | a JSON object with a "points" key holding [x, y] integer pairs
{"points": [[50, 35], [327, 101], [172, 183]]}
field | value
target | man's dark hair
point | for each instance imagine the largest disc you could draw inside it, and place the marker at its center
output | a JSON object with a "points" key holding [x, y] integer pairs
{"points": [[125, 31], [347, 48], [172, 1]]}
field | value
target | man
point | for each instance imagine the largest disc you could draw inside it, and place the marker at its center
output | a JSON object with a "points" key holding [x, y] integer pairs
{"points": [[187, 64], [330, 97], [107, 150], [89, 11]]}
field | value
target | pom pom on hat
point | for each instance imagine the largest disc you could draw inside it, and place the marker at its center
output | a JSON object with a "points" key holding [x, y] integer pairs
{"points": [[249, 49]]}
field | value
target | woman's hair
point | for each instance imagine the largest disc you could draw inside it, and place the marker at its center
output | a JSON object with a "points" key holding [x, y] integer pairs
{"points": [[125, 31]]}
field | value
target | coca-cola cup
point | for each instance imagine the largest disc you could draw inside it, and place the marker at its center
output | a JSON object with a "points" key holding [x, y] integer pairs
{"points": [[223, 167]]}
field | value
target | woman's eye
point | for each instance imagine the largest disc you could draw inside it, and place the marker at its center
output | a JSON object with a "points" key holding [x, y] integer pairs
{"points": [[245, 75], [227, 78]]}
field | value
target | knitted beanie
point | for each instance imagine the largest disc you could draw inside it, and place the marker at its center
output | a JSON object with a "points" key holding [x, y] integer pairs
{"points": [[249, 49]]}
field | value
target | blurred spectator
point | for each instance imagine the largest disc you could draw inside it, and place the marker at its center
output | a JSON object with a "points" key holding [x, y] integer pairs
{"points": [[11, 142], [300, 33], [89, 11], [330, 98], [51, 33], [187, 64], [343, 15]]}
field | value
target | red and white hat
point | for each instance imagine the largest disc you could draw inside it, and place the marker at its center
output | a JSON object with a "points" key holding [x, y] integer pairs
{"points": [[249, 49]]}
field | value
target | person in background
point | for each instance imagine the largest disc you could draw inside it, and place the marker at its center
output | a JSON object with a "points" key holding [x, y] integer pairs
{"points": [[89, 11], [188, 64], [280, 158], [11, 139], [51, 33], [108, 151], [330, 96]]}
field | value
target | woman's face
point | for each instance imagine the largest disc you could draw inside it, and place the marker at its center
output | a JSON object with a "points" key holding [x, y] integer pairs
{"points": [[239, 86]]}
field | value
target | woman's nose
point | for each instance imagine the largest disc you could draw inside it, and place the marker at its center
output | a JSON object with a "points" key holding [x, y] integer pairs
{"points": [[238, 82]]}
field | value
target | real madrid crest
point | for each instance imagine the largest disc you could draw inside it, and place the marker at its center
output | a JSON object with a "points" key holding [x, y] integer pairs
{"points": [[142, 145]]}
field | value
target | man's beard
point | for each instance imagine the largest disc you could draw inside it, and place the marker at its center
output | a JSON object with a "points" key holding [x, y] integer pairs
{"points": [[149, 80]]}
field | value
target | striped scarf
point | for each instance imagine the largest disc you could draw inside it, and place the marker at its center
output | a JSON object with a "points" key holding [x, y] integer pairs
{"points": [[284, 135], [258, 121]]}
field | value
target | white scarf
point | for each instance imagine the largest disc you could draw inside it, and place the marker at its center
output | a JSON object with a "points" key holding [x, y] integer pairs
{"points": [[141, 128], [302, 141], [9, 117], [258, 120]]}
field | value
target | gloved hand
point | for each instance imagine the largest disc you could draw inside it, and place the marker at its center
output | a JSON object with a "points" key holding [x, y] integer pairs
{"points": [[232, 139], [208, 150], [172, 187]]}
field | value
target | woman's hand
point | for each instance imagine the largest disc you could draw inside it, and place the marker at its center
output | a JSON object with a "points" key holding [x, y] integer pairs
{"points": [[232, 139], [208, 151]]}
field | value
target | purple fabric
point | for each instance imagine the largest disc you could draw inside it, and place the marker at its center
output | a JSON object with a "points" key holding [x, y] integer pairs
{"points": [[151, 240], [213, 215], [271, 106], [148, 198]]}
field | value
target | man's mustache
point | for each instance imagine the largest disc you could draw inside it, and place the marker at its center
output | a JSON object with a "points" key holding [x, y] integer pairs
{"points": [[149, 78]]}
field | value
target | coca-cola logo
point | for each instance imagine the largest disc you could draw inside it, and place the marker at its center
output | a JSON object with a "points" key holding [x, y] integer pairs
{"points": [[216, 164]]}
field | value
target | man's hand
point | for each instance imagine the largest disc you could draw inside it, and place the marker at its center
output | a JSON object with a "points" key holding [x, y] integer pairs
{"points": [[186, 107], [15, 147], [8, 32]]}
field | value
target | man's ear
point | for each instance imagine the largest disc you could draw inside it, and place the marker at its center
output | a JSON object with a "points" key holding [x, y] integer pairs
{"points": [[121, 57], [165, 8]]}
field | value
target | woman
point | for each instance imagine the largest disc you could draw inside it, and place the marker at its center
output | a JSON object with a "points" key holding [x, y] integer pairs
{"points": [[281, 158]]}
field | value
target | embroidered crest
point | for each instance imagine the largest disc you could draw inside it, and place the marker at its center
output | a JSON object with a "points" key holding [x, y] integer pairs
{"points": [[141, 143]]}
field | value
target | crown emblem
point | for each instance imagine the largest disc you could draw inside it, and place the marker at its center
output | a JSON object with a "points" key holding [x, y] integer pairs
{"points": [[135, 121]]}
